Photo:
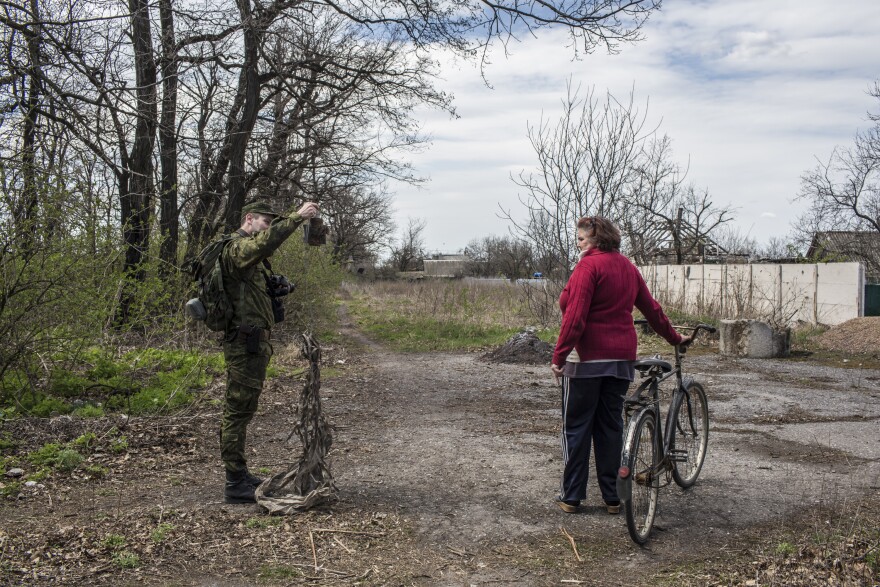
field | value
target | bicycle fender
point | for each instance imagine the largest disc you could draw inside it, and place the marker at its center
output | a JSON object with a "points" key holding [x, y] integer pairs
{"points": [[624, 486]]}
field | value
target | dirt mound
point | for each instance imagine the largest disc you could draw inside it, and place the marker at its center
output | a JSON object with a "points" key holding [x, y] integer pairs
{"points": [[859, 335], [522, 348]]}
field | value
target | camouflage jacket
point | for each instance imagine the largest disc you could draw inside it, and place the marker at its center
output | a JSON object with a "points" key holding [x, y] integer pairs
{"points": [[243, 272]]}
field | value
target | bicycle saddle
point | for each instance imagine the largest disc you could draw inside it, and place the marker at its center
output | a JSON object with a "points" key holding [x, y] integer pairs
{"points": [[645, 364]]}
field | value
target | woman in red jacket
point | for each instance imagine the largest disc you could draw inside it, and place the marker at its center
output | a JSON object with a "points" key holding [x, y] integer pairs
{"points": [[594, 356]]}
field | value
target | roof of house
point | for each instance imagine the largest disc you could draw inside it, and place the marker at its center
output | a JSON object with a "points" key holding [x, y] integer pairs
{"points": [[848, 245], [658, 241]]}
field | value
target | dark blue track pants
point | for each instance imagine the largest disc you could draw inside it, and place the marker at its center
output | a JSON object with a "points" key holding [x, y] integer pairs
{"points": [[592, 413]]}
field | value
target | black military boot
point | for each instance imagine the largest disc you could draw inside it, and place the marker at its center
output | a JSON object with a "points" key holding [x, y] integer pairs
{"points": [[238, 488], [252, 479]]}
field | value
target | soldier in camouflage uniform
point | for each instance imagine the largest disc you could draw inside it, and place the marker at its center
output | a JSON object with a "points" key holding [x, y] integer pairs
{"points": [[246, 347]]}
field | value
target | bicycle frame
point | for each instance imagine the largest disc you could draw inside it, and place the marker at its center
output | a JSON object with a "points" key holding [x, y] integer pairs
{"points": [[636, 404]]}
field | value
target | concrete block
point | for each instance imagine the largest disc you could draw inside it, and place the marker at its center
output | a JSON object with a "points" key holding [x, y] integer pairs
{"points": [[754, 339]]}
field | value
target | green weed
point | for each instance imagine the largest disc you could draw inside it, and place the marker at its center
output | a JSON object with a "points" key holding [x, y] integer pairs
{"points": [[6, 441], [54, 456], [119, 445], [113, 541], [10, 489], [785, 549], [160, 534], [97, 471], [263, 522], [89, 411], [86, 441], [126, 560]]}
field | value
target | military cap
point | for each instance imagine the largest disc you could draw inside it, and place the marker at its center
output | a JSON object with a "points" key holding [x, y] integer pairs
{"points": [[258, 208]]}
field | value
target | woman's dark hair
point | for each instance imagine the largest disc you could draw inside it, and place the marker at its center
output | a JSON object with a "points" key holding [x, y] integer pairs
{"points": [[601, 232]]}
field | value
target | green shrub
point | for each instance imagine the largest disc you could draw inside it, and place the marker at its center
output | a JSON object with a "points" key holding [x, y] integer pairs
{"points": [[113, 541], [160, 534], [312, 305], [11, 489], [86, 441], [47, 406], [119, 445], [45, 456], [89, 411], [54, 456], [126, 560], [6, 441], [263, 522], [97, 471]]}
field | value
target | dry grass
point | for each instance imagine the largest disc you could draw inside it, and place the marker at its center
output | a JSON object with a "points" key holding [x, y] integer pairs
{"points": [[435, 314]]}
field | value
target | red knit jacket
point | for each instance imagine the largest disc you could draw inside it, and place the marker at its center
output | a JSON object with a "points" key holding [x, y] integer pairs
{"points": [[597, 305]]}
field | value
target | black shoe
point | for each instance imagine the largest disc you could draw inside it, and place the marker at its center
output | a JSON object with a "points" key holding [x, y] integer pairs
{"points": [[238, 488], [252, 479]]}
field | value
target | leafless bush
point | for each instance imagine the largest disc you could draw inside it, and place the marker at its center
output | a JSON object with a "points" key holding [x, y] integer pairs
{"points": [[541, 298]]}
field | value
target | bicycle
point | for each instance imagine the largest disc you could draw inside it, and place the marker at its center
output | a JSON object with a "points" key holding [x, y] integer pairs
{"points": [[648, 456]]}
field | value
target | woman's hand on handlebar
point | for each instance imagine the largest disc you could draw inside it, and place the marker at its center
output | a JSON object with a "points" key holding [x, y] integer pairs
{"points": [[686, 340]]}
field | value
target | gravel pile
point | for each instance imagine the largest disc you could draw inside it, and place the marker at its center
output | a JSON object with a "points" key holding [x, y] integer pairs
{"points": [[524, 348], [859, 335]]}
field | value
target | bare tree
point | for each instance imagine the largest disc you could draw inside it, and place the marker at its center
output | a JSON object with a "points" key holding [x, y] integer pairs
{"points": [[586, 161], [844, 192], [494, 256], [665, 212], [360, 222], [408, 251], [235, 99]]}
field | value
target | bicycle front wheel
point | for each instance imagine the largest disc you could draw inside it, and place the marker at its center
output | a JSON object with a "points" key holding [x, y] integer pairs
{"points": [[690, 434], [640, 455]]}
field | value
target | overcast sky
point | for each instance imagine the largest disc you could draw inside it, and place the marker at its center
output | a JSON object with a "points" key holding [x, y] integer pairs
{"points": [[750, 92]]}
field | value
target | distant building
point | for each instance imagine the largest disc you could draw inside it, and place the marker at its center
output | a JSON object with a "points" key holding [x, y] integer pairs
{"points": [[848, 245], [658, 246], [446, 265]]}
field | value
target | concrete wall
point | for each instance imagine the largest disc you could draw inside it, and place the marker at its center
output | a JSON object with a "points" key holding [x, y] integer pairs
{"points": [[444, 268], [824, 293]]}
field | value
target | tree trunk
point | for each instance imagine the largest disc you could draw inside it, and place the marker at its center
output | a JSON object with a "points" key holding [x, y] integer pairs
{"points": [[136, 202], [168, 219], [27, 208], [249, 89]]}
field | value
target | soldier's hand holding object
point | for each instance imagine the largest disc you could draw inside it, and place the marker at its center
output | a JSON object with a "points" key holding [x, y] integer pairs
{"points": [[308, 210]]}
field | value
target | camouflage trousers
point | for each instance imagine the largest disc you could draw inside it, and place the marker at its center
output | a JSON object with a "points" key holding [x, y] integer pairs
{"points": [[245, 375]]}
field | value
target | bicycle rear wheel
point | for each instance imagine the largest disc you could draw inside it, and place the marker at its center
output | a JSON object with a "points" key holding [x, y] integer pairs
{"points": [[640, 455], [690, 434]]}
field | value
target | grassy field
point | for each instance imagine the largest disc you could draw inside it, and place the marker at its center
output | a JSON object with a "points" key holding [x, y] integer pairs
{"points": [[440, 315]]}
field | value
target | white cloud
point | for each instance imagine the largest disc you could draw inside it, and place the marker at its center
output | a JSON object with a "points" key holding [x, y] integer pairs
{"points": [[751, 93]]}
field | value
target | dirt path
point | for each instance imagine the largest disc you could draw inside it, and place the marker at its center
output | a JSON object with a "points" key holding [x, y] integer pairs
{"points": [[447, 467], [470, 451]]}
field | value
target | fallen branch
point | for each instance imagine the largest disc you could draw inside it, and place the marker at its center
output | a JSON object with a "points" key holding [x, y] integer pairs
{"points": [[333, 530], [344, 547], [573, 545], [314, 552]]}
